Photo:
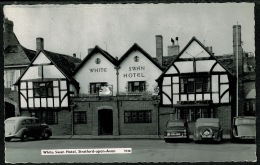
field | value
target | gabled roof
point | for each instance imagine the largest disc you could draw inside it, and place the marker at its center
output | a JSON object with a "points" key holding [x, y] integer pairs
{"points": [[184, 49], [64, 63], [137, 47], [95, 50], [18, 55], [167, 60]]}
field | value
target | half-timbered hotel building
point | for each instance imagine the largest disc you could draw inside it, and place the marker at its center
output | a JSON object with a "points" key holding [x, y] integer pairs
{"points": [[46, 86], [116, 96], [133, 95], [196, 85]]}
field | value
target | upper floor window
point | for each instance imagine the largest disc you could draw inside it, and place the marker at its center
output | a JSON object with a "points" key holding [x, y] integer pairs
{"points": [[95, 87], [195, 85], [136, 86], [42, 89]]}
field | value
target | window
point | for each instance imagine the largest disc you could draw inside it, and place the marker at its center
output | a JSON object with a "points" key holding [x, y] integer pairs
{"points": [[136, 86], [195, 85], [95, 87], [138, 116], [51, 118], [42, 89], [80, 118], [192, 114]]}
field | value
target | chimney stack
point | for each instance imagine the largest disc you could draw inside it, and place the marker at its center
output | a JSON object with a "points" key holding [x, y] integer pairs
{"points": [[159, 49], [174, 49], [74, 55], [39, 44], [237, 49]]}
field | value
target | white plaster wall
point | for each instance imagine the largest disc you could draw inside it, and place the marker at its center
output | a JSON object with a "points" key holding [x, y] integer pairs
{"points": [[204, 66], [31, 73], [41, 59], [184, 66], [149, 74], [50, 71], [84, 76], [194, 50]]}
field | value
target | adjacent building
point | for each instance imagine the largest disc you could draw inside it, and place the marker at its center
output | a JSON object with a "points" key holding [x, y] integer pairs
{"points": [[46, 86], [196, 85], [16, 59]]}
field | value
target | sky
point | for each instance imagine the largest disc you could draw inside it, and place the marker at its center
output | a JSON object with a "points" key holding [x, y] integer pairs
{"points": [[69, 29]]}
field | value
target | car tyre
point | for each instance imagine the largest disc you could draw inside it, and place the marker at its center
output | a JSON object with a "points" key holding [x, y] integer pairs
{"points": [[46, 136], [167, 140], [24, 137], [8, 139]]}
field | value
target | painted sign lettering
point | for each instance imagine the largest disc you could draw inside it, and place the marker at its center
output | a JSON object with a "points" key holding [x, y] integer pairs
{"points": [[98, 70], [131, 75], [136, 68], [135, 72]]}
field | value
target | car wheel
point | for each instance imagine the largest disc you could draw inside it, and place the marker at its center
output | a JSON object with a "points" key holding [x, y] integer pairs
{"points": [[24, 137], [166, 140], [8, 139], [46, 136]]}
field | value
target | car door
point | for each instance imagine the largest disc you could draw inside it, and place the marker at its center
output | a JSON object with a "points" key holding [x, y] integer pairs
{"points": [[30, 126]]}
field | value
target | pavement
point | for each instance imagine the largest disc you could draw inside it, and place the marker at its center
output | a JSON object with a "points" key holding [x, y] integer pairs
{"points": [[114, 137]]}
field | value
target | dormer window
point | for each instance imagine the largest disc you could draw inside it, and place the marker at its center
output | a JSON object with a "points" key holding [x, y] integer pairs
{"points": [[136, 58], [98, 61]]}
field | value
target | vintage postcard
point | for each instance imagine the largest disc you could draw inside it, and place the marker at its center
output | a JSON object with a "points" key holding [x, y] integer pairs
{"points": [[104, 83]]}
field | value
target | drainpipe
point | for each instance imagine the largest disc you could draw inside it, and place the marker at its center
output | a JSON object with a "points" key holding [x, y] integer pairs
{"points": [[117, 93], [72, 106]]}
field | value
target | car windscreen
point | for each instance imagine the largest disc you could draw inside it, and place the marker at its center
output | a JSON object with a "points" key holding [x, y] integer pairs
{"points": [[245, 121], [175, 124]]}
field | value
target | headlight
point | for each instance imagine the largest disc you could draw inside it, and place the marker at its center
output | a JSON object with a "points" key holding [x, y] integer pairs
{"points": [[168, 134]]}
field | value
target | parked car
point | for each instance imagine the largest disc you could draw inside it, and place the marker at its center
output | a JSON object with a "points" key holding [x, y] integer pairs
{"points": [[207, 129], [24, 127], [243, 128], [176, 129]]}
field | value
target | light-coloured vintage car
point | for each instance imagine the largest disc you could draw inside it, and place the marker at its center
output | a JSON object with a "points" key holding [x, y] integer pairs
{"points": [[24, 127], [243, 128], [207, 129], [176, 129]]}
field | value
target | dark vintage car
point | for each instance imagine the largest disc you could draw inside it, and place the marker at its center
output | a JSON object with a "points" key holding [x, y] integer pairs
{"points": [[24, 127], [243, 128], [176, 129], [207, 129]]}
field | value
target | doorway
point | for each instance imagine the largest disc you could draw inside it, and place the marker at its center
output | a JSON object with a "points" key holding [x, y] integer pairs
{"points": [[9, 110], [105, 122]]}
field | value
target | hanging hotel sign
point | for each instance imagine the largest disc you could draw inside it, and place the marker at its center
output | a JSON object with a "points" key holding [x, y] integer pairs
{"points": [[134, 71]]}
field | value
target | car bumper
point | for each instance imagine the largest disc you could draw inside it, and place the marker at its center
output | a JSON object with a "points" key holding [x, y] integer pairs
{"points": [[175, 137], [245, 137]]}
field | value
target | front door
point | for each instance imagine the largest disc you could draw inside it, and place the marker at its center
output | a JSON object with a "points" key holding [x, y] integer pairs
{"points": [[105, 120]]}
